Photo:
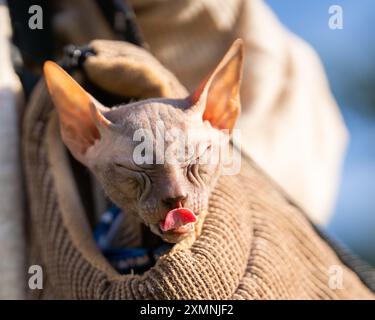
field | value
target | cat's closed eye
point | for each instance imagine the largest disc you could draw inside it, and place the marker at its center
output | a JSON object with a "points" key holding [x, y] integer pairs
{"points": [[199, 170], [131, 181], [197, 174]]}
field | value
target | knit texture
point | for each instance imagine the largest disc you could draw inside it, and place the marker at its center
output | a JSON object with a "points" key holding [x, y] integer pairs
{"points": [[254, 242], [61, 240]]}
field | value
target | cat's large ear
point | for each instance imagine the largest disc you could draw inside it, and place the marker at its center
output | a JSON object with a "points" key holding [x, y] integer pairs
{"points": [[81, 118], [218, 97]]}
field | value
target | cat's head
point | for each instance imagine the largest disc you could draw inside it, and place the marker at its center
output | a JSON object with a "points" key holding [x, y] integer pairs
{"points": [[155, 155]]}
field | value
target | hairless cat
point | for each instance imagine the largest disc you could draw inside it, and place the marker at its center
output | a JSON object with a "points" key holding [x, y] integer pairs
{"points": [[168, 196]]}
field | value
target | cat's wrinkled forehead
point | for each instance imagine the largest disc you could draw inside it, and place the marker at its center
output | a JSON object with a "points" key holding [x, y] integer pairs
{"points": [[149, 114], [89, 128]]}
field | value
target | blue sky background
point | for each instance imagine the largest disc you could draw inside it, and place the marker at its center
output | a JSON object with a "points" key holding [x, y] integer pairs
{"points": [[349, 58]]}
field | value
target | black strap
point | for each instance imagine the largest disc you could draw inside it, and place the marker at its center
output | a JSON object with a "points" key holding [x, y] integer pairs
{"points": [[121, 17], [74, 56], [37, 46]]}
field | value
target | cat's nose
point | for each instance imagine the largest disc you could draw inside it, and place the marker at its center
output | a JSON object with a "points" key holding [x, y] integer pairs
{"points": [[175, 202]]}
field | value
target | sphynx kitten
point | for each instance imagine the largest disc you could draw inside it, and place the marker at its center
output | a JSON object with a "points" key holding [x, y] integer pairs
{"points": [[168, 196]]}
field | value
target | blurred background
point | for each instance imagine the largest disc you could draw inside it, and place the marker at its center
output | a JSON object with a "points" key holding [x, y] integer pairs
{"points": [[348, 56]]}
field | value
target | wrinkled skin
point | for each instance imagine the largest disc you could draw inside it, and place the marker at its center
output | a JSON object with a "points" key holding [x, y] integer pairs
{"points": [[107, 141], [150, 191]]}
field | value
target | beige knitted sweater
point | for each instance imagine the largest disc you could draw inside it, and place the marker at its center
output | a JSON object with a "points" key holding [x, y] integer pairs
{"points": [[254, 243]]}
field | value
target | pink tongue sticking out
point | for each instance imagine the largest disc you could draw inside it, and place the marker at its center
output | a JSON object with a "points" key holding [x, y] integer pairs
{"points": [[177, 218]]}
